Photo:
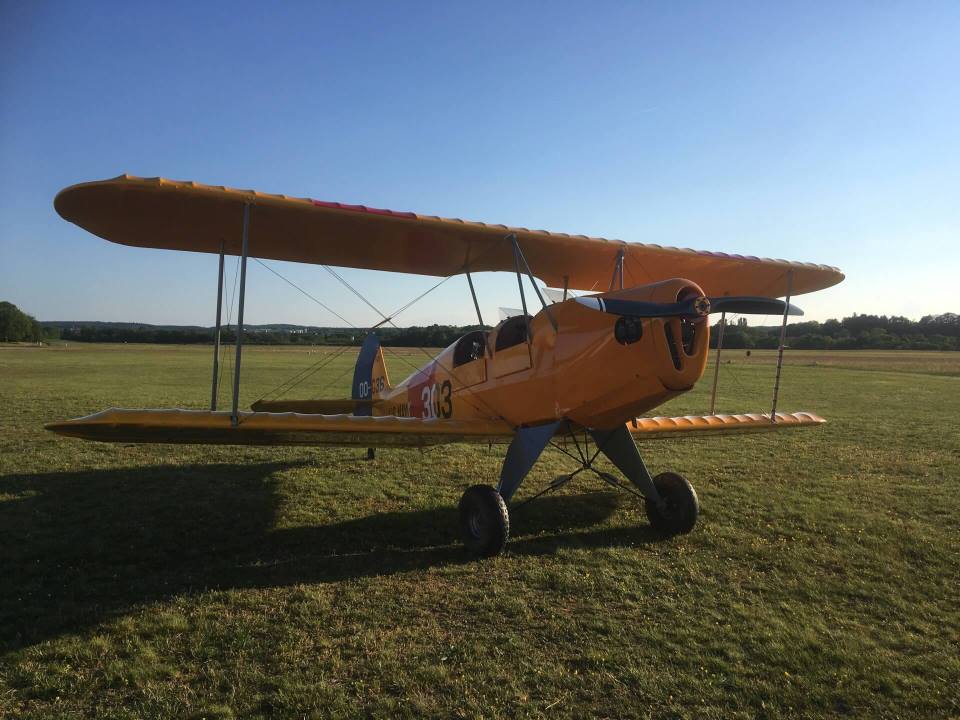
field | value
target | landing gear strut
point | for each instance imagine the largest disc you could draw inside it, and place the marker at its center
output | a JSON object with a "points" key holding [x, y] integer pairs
{"points": [[671, 502]]}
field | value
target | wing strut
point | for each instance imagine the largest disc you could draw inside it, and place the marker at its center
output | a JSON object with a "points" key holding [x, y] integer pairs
{"points": [[234, 416], [517, 259], [617, 272], [473, 294], [783, 335], [716, 369], [523, 298], [216, 336]]}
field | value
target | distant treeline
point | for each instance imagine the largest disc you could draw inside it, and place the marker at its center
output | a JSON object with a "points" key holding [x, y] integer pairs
{"points": [[858, 332], [17, 326], [430, 336]]}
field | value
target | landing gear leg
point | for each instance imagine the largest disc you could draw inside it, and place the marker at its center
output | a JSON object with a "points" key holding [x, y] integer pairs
{"points": [[484, 518], [672, 503]]}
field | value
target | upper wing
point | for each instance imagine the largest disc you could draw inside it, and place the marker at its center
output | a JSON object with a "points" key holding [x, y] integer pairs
{"points": [[263, 428], [158, 213]]}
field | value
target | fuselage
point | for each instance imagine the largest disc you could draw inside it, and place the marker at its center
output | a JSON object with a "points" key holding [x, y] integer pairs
{"points": [[595, 369]]}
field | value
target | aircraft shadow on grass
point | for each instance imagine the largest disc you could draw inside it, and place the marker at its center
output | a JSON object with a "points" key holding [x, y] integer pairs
{"points": [[78, 548]]}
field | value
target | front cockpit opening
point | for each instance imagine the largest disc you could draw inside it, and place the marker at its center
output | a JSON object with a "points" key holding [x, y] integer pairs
{"points": [[470, 347]]}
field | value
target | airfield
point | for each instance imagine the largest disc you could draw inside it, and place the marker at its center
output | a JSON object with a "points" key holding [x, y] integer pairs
{"points": [[220, 582]]}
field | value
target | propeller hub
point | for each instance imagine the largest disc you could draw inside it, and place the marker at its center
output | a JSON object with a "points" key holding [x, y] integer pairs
{"points": [[701, 306]]}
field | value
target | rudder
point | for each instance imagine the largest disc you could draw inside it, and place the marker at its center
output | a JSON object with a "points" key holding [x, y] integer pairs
{"points": [[370, 379]]}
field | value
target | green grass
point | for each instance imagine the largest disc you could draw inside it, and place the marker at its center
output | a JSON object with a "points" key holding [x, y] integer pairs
{"points": [[219, 582]]}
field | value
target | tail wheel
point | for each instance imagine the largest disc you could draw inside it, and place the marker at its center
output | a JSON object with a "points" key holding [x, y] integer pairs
{"points": [[680, 509], [484, 521]]}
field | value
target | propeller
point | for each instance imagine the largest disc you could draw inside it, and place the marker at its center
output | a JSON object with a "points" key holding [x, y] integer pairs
{"points": [[694, 307]]}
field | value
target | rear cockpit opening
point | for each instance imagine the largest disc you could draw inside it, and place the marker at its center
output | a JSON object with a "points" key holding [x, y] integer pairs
{"points": [[512, 331]]}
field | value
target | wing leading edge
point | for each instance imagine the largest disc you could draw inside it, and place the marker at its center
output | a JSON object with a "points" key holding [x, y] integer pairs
{"points": [[714, 425], [174, 215]]}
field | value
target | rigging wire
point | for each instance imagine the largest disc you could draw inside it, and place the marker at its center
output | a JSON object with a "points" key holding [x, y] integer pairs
{"points": [[766, 318], [389, 319], [337, 379], [306, 373], [386, 319], [297, 287], [349, 287], [735, 371], [420, 297], [433, 358]]}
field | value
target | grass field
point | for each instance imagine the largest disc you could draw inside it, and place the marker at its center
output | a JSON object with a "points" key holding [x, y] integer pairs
{"points": [[179, 581]]}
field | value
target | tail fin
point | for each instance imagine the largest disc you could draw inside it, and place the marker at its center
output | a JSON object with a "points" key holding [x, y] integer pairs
{"points": [[379, 379], [370, 379]]}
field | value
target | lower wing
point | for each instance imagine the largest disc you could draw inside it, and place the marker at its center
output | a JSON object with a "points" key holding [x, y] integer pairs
{"points": [[288, 428], [292, 428]]}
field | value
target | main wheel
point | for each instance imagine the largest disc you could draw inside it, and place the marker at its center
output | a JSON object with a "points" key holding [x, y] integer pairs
{"points": [[484, 521], [681, 506]]}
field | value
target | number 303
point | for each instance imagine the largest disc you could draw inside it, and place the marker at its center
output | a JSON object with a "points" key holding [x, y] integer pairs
{"points": [[437, 402]]}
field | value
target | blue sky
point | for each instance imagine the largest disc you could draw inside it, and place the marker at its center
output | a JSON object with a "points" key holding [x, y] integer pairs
{"points": [[824, 132]]}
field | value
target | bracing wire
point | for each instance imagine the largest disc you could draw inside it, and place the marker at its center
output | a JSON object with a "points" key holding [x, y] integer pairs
{"points": [[419, 297], [386, 319], [389, 318], [297, 287], [734, 373], [307, 373], [335, 380], [349, 287]]}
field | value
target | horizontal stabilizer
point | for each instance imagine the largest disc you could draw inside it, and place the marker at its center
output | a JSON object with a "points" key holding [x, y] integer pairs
{"points": [[691, 425], [312, 407]]}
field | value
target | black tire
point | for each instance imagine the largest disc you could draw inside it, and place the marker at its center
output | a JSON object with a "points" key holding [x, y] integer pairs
{"points": [[682, 506], [484, 521]]}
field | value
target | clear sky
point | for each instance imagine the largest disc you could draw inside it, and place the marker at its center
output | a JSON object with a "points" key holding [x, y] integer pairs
{"points": [[825, 132]]}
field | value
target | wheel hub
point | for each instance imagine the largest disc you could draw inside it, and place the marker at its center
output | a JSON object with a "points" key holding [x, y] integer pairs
{"points": [[476, 524]]}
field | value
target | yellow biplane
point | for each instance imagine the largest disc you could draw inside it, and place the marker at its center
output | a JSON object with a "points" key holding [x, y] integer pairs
{"points": [[579, 374]]}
